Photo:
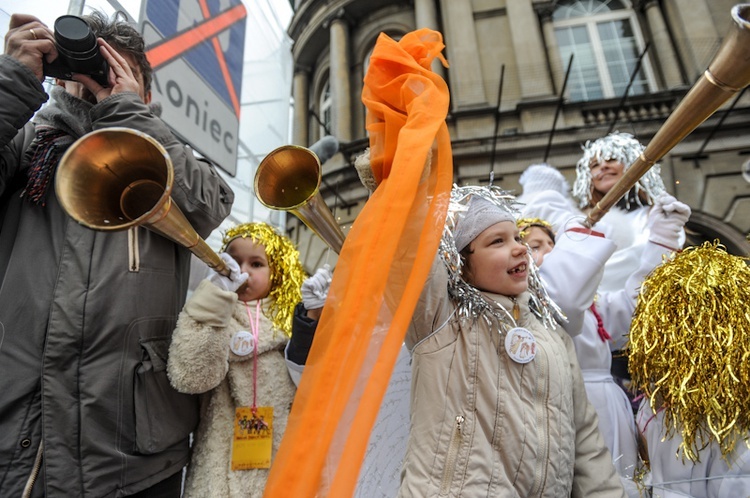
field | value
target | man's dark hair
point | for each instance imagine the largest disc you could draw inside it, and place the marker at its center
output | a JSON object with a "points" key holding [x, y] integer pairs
{"points": [[125, 38]]}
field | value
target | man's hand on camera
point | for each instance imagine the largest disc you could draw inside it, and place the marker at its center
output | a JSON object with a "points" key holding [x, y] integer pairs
{"points": [[121, 77], [29, 41]]}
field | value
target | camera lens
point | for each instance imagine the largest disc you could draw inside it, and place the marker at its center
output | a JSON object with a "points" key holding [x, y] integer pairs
{"points": [[77, 52], [73, 34]]}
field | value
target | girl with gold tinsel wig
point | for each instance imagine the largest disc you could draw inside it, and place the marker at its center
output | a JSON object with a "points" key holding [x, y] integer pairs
{"points": [[228, 347], [539, 235], [690, 355]]}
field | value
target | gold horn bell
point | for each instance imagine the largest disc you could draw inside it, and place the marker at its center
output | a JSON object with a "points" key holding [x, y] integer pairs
{"points": [[117, 178], [288, 179]]}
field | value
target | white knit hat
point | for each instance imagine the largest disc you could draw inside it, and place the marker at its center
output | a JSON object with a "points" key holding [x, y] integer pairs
{"points": [[480, 215], [540, 177]]}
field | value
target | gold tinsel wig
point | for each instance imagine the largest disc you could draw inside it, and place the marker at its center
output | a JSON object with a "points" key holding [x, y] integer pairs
{"points": [[524, 224], [690, 347], [287, 273]]}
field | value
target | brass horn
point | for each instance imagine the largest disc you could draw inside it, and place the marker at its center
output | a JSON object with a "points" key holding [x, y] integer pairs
{"points": [[117, 178], [288, 179], [728, 73]]}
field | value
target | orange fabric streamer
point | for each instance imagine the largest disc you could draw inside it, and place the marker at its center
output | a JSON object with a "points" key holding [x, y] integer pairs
{"points": [[379, 275]]}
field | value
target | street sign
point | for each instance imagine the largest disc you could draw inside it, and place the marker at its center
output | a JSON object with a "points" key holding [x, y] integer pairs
{"points": [[196, 49]]}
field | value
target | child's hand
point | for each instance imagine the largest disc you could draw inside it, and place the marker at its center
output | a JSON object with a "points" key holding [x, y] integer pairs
{"points": [[235, 279], [315, 288]]}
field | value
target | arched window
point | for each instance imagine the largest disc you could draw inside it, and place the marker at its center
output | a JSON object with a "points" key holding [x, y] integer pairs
{"points": [[325, 106], [362, 113], [366, 60], [604, 37]]}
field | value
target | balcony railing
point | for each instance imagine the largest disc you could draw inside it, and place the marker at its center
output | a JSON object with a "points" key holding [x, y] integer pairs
{"points": [[636, 108]]}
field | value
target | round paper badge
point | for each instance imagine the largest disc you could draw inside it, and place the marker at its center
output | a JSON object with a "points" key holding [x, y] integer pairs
{"points": [[242, 343], [520, 345]]}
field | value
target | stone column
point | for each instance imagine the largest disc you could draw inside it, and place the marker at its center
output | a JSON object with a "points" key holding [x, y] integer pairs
{"points": [[467, 87], [425, 13], [339, 78], [557, 66], [529, 50], [662, 43], [697, 37], [300, 92]]}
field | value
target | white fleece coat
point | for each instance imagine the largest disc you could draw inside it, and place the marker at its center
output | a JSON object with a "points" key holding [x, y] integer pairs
{"points": [[200, 361]]}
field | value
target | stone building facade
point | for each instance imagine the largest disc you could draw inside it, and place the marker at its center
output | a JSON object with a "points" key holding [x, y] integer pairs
{"points": [[531, 80]]}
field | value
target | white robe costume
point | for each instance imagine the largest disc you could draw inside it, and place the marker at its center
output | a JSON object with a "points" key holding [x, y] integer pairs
{"points": [[578, 258], [712, 477]]}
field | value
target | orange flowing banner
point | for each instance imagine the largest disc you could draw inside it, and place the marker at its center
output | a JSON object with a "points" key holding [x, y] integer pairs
{"points": [[379, 276]]}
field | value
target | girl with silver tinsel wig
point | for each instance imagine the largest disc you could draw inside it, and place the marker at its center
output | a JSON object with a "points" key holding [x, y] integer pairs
{"points": [[624, 148], [497, 397]]}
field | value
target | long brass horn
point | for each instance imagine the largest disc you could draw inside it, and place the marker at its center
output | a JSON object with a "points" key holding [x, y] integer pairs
{"points": [[728, 73], [117, 178], [288, 179]]}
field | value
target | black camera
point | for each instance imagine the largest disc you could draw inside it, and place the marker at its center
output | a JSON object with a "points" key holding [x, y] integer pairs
{"points": [[78, 52]]}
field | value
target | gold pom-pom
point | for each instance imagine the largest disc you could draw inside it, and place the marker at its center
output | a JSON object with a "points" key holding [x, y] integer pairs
{"points": [[287, 273], [690, 347]]}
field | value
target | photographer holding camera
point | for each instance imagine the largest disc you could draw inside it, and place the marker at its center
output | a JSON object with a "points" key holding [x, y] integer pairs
{"points": [[86, 317]]}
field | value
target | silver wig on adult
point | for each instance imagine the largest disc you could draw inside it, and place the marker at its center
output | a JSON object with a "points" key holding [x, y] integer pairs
{"points": [[624, 148]]}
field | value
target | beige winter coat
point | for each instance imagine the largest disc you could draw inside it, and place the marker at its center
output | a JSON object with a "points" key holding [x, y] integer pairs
{"points": [[483, 425], [200, 361]]}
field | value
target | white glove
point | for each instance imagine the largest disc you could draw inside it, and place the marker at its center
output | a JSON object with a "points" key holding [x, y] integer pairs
{"points": [[315, 288], [235, 279], [666, 221]]}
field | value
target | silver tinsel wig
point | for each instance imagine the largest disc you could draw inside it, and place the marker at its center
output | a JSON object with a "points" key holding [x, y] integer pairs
{"points": [[621, 147], [471, 303]]}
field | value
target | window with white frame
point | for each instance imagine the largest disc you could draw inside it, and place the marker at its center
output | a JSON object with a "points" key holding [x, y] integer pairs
{"points": [[605, 41], [325, 106]]}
